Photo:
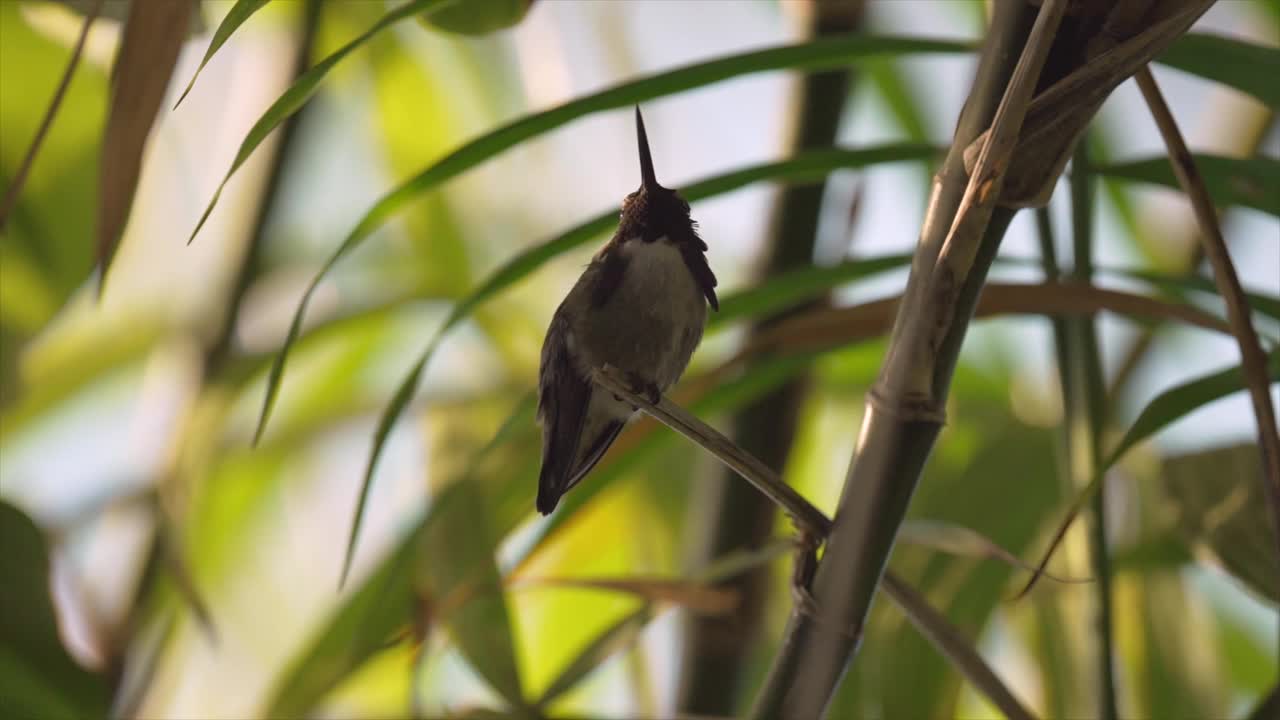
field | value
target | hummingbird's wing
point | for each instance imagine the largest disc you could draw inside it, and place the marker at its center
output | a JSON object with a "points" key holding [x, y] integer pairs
{"points": [[579, 422], [599, 432], [563, 400]]}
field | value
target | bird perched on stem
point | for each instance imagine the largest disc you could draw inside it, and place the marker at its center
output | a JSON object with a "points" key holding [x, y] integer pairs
{"points": [[639, 307]]}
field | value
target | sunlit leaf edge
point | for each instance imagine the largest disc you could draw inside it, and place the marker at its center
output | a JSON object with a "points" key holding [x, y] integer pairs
{"points": [[235, 17], [807, 165], [817, 54]]}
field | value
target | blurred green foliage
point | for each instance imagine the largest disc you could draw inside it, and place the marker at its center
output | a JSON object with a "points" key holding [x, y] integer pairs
{"points": [[443, 612]]}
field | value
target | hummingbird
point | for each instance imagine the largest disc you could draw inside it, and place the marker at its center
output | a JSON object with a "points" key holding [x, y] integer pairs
{"points": [[640, 307]]}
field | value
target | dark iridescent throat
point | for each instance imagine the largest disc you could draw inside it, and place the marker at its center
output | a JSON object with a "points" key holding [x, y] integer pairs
{"points": [[654, 211]]}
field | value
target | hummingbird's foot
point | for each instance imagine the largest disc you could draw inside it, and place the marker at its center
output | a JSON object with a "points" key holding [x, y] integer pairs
{"points": [[806, 563], [640, 386]]}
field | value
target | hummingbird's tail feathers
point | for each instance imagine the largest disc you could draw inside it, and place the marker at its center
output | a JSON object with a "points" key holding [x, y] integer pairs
{"points": [[551, 486], [595, 450], [548, 490], [564, 398]]}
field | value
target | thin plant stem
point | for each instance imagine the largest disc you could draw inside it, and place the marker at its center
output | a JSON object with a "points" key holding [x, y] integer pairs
{"points": [[219, 351], [20, 179], [807, 517], [954, 646], [1086, 415], [1252, 358], [936, 628], [217, 355], [716, 657], [905, 408]]}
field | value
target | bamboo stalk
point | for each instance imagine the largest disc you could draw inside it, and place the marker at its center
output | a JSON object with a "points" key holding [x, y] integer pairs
{"points": [[1086, 414], [716, 657], [936, 628], [217, 357], [807, 517], [1061, 676], [1245, 145], [962, 231]]}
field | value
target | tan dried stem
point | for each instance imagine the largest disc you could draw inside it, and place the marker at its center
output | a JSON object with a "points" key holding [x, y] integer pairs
{"points": [[945, 637], [20, 178], [1252, 357]]}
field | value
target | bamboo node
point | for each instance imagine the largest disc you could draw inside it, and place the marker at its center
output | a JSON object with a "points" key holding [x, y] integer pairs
{"points": [[910, 407]]}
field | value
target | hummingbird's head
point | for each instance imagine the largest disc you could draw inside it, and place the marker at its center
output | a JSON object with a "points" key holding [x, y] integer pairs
{"points": [[654, 211]]}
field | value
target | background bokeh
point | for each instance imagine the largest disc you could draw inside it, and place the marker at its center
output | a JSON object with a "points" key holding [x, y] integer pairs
{"points": [[146, 397]]}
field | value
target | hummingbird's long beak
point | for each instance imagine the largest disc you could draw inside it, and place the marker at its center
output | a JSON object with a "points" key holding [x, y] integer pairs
{"points": [[648, 180]]}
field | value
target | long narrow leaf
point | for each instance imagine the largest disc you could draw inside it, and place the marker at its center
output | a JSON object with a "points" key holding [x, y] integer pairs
{"points": [[1180, 285], [825, 327], [804, 166], [625, 631], [622, 634], [301, 90], [966, 542], [796, 342], [958, 649], [1163, 410], [787, 289], [1180, 401], [370, 615], [813, 55], [10, 197], [460, 571], [1247, 67], [1252, 182], [235, 17]]}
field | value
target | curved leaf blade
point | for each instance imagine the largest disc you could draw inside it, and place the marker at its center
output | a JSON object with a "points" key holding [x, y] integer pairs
{"points": [[355, 632], [1244, 66], [480, 18], [241, 11], [301, 90], [1163, 410], [1251, 182], [962, 541], [787, 289], [957, 648], [813, 55], [398, 403], [618, 636], [1182, 285], [462, 575], [1180, 401], [793, 345], [805, 166], [370, 617], [623, 633]]}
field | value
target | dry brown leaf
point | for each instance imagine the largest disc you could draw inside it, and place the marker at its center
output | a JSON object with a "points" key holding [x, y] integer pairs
{"points": [[825, 327], [153, 36]]}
